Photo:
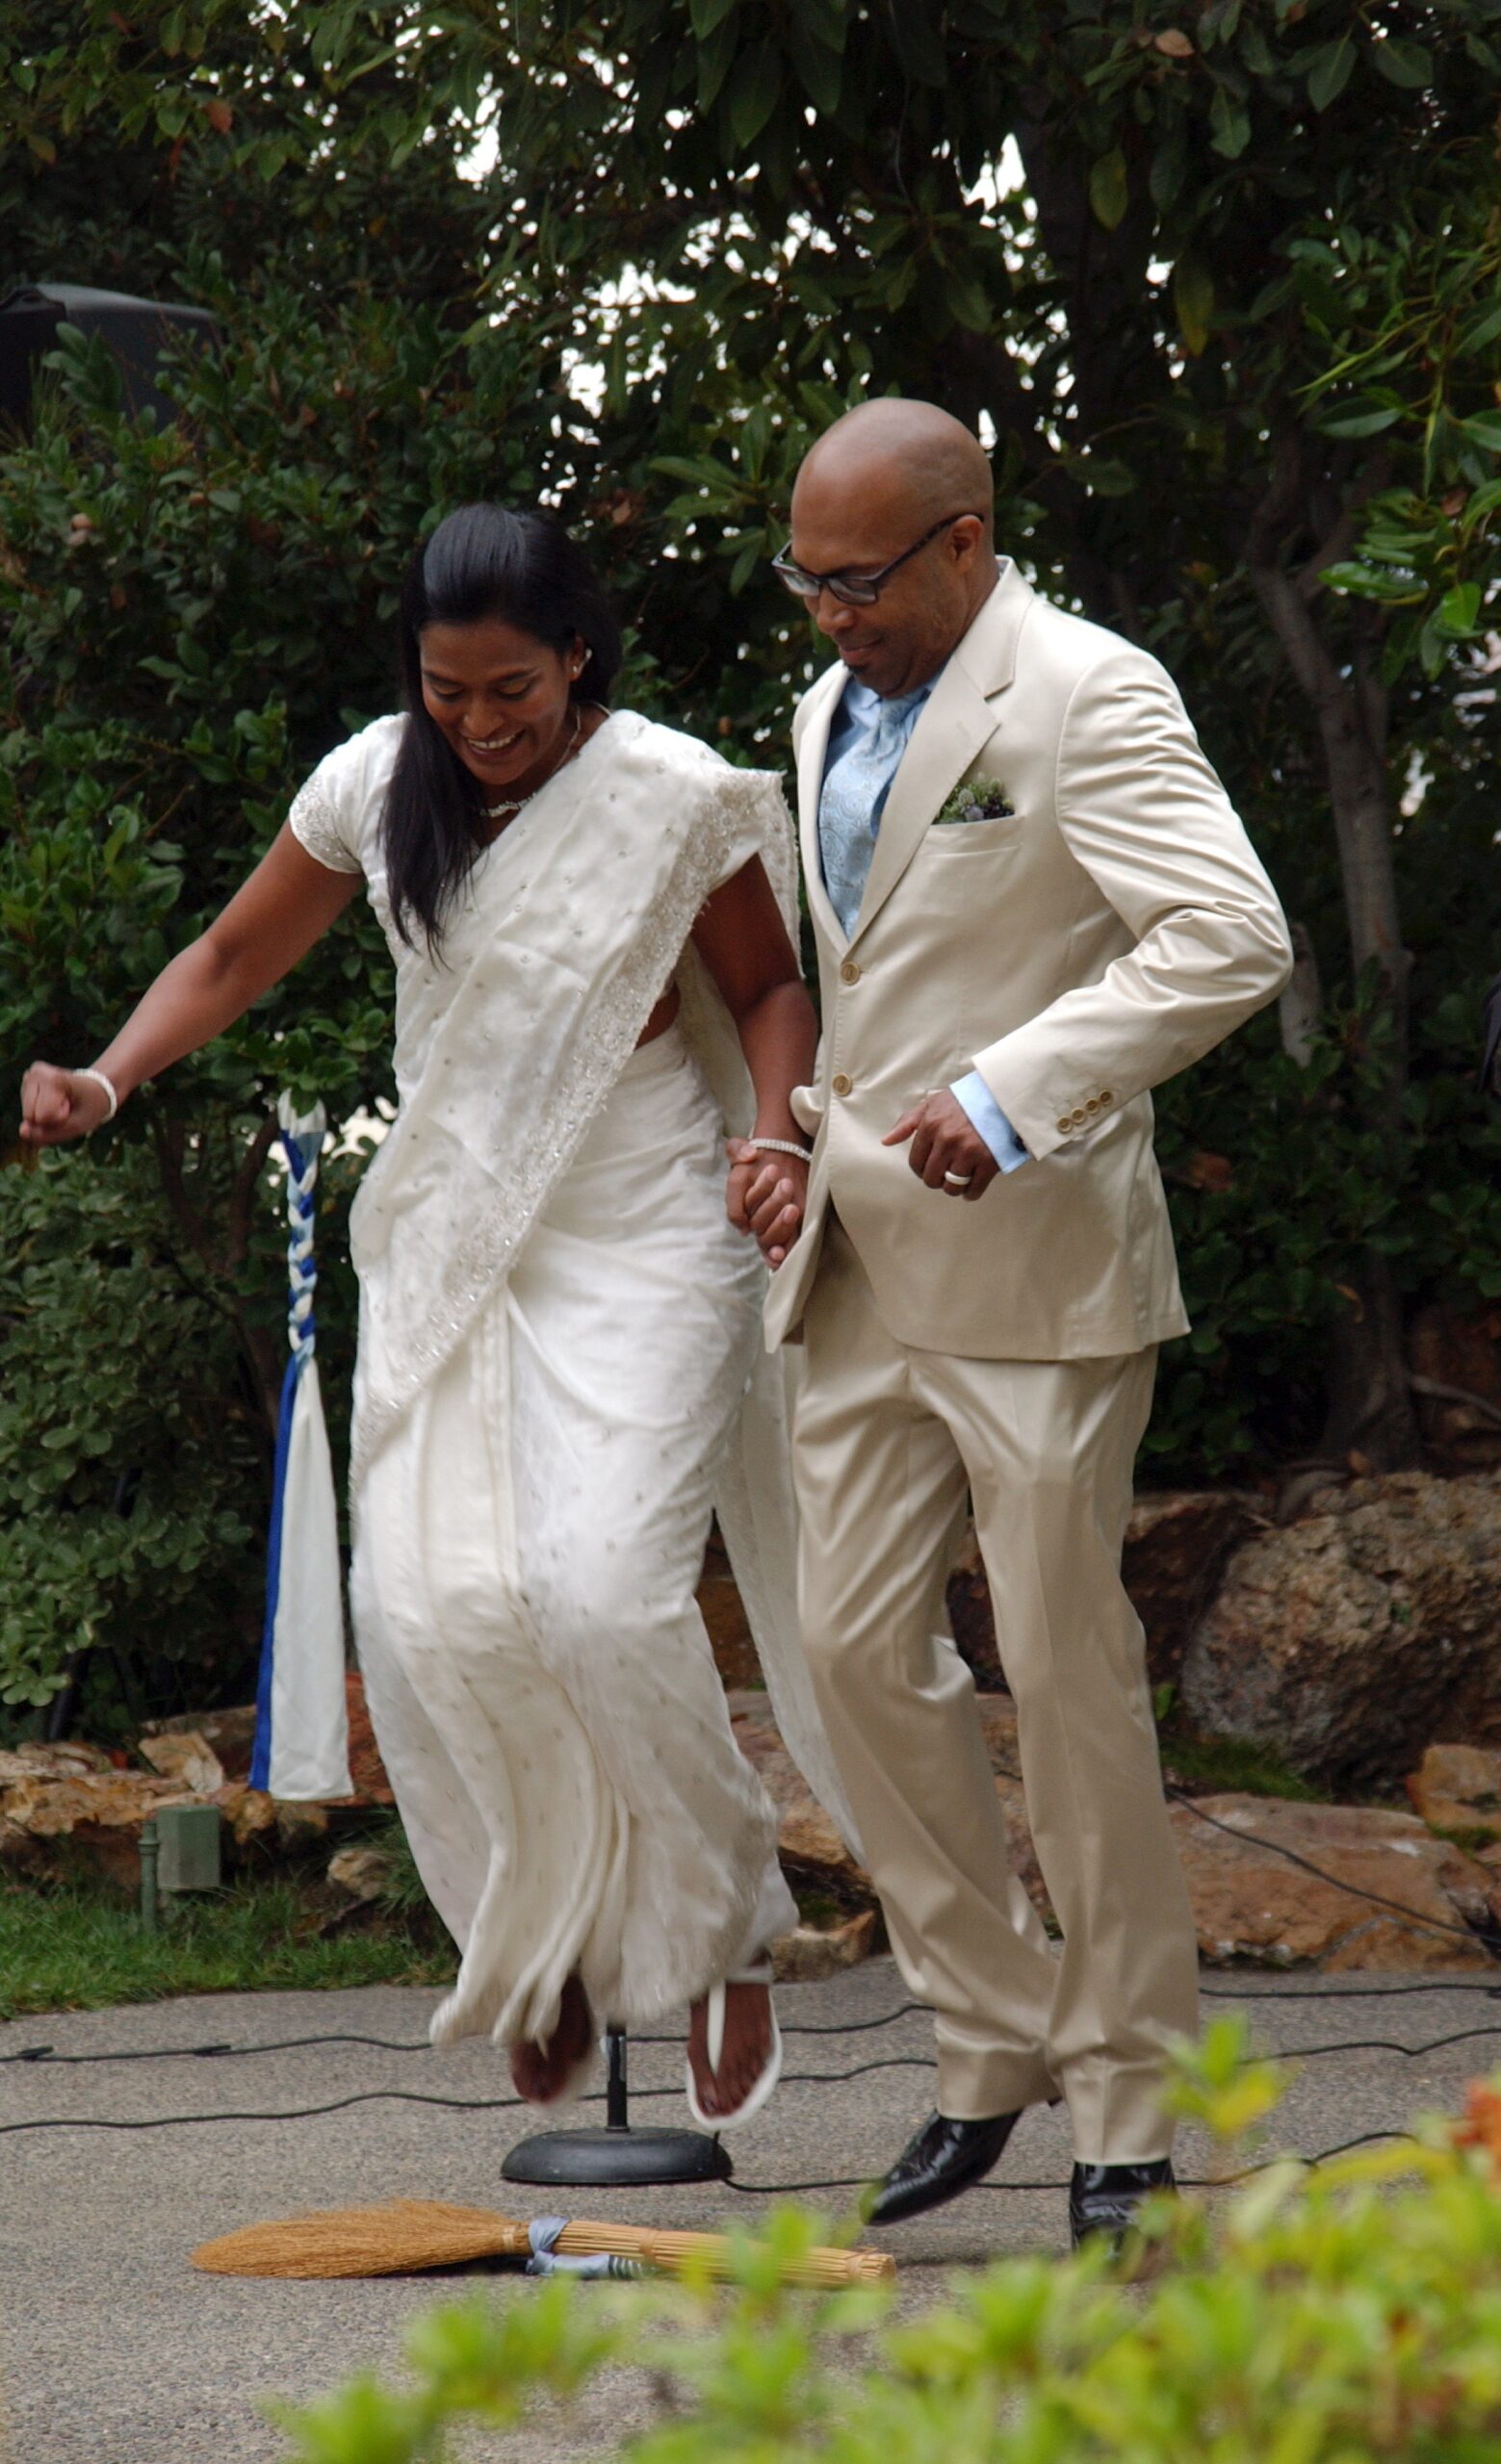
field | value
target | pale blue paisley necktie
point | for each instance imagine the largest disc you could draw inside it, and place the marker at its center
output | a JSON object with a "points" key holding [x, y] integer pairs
{"points": [[855, 788]]}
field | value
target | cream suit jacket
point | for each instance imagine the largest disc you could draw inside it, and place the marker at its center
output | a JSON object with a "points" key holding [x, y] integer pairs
{"points": [[1111, 930]]}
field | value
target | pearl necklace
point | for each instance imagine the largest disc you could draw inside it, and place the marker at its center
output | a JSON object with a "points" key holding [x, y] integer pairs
{"points": [[509, 806]]}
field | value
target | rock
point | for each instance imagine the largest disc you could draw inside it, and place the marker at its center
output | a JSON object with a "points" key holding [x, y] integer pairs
{"points": [[814, 1951], [1020, 1852], [62, 1762], [186, 1757], [724, 1614], [1176, 1547], [249, 1820], [367, 1771], [300, 1828], [971, 1620], [365, 1873], [1355, 1638], [1250, 1903], [1457, 1787], [1456, 1364], [61, 1829], [999, 1728], [811, 1849], [229, 1735]]}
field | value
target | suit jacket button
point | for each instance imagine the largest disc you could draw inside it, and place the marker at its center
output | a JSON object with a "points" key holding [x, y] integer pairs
{"points": [[1066, 1121], [1108, 1097], [850, 972], [841, 1085], [1076, 1120]]}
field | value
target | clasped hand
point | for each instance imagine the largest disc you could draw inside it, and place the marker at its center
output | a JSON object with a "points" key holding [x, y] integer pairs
{"points": [[59, 1104], [944, 1141], [766, 1196]]}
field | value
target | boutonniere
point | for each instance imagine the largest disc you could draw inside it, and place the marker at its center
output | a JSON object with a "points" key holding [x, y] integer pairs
{"points": [[978, 800]]}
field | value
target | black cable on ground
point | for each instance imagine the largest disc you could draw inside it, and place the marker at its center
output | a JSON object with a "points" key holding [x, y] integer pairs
{"points": [[1349, 1993], [790, 2079], [200, 2052], [1187, 2181], [390, 2044], [38, 2054], [744, 2190]]}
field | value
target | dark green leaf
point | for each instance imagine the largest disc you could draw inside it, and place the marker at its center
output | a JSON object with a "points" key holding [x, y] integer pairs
{"points": [[915, 29], [819, 69], [1230, 124], [1404, 63], [1460, 606], [1329, 65], [1362, 417], [1193, 298], [715, 60], [1109, 191], [753, 90], [1484, 330], [966, 296], [1165, 178]]}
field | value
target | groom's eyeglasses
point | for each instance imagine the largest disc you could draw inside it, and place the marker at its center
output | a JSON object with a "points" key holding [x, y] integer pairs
{"points": [[853, 590]]}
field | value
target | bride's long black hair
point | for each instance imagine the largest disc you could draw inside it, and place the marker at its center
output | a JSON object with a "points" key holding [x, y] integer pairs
{"points": [[481, 560]]}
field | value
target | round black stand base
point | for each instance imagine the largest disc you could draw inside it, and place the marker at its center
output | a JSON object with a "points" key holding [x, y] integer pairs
{"points": [[606, 2159], [601, 2159]]}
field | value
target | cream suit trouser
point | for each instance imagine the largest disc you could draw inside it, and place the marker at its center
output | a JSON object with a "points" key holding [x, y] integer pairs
{"points": [[887, 1440]]}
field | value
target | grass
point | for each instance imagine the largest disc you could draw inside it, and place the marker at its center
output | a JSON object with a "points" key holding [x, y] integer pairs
{"points": [[77, 1949], [1471, 1836], [1233, 1764]]}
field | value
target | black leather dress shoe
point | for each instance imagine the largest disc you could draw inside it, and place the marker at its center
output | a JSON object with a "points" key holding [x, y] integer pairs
{"points": [[941, 2161], [1103, 2199]]}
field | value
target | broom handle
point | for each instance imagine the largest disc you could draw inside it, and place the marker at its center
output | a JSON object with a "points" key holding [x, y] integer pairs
{"points": [[672, 2253]]}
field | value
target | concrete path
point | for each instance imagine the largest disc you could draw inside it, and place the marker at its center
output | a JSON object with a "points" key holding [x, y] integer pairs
{"points": [[117, 2352]]}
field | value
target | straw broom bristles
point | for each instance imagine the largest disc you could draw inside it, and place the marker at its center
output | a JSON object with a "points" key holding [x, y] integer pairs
{"points": [[408, 2236], [404, 2237]]}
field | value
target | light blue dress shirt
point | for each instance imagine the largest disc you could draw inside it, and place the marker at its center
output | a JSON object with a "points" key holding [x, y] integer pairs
{"points": [[868, 736]]}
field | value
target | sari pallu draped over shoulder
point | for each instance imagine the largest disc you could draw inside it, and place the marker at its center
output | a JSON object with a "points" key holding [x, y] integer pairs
{"points": [[571, 926]]}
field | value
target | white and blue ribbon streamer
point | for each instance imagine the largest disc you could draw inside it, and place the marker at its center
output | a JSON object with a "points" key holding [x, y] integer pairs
{"points": [[548, 2260], [301, 1724]]}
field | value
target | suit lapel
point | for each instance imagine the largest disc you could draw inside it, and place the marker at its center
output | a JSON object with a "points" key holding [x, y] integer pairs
{"points": [[818, 708], [957, 720]]}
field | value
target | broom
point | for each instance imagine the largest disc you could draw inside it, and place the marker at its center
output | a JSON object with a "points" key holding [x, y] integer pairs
{"points": [[408, 2236]]}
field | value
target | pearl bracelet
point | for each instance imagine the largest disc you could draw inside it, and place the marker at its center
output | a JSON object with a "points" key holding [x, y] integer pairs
{"points": [[108, 1084], [780, 1146]]}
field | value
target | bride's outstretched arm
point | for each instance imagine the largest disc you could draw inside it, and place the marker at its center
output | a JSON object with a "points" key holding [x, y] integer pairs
{"points": [[741, 938], [269, 925]]}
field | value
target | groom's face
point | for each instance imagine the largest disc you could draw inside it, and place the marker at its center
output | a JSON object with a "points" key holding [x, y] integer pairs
{"points": [[852, 521]]}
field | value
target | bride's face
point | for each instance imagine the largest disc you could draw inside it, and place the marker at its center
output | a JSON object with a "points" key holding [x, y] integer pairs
{"points": [[500, 698]]}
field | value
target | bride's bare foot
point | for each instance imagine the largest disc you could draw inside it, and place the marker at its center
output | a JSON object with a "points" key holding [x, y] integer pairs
{"points": [[747, 2042], [540, 2072]]}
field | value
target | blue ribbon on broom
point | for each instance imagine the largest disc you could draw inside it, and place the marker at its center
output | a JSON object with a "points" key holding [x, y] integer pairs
{"points": [[301, 1723]]}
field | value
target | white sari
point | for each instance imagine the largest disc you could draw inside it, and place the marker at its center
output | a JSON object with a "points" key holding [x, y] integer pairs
{"points": [[559, 1375]]}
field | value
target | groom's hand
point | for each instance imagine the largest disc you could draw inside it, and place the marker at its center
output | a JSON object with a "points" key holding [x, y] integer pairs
{"points": [[944, 1141]]}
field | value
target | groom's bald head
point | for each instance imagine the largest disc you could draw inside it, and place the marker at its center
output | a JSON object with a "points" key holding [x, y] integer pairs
{"points": [[869, 488], [916, 459]]}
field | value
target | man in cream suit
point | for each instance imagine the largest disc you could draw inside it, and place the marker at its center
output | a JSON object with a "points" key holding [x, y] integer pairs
{"points": [[985, 1269]]}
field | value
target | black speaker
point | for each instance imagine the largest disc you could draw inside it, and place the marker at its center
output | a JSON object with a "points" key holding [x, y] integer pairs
{"points": [[135, 330]]}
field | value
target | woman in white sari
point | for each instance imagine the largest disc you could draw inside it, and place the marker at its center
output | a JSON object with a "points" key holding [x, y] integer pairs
{"points": [[591, 919]]}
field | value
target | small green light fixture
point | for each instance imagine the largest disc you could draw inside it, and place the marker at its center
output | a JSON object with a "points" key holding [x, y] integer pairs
{"points": [[179, 1851]]}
